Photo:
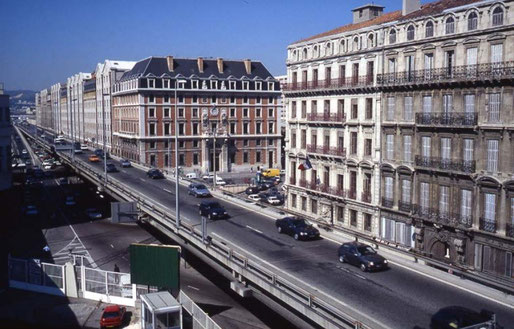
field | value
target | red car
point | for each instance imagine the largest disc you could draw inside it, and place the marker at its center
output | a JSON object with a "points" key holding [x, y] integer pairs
{"points": [[112, 316]]}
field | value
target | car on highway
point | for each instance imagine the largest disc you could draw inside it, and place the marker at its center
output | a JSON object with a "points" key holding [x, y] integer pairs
{"points": [[24, 151], [63, 181], [208, 177], [220, 181], [361, 255], [110, 167], [83, 147], [254, 197], [93, 213], [93, 158], [31, 210], [112, 316], [48, 164], [155, 173], [99, 152], [198, 190], [452, 317], [70, 201], [273, 200], [252, 190], [191, 175], [125, 163], [297, 227], [212, 210]]}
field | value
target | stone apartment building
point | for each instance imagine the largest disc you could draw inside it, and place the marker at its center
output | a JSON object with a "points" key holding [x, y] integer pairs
{"points": [[227, 114], [90, 116], [443, 124], [55, 99], [75, 90], [63, 110]]}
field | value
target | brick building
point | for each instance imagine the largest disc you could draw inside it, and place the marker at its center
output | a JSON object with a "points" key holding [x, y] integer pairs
{"points": [[227, 113]]}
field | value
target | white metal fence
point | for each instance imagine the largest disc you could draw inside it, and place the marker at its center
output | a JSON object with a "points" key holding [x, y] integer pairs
{"points": [[200, 319], [31, 274], [107, 286]]}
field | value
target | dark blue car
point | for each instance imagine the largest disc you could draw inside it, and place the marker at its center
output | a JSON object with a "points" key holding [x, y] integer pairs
{"points": [[361, 255], [298, 228]]}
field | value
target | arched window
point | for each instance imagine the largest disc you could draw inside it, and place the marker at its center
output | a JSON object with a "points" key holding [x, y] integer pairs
{"points": [[410, 33], [370, 41], [328, 49], [341, 46], [316, 51], [295, 55], [355, 44], [304, 53], [429, 29], [472, 21], [450, 25], [392, 36], [497, 16]]}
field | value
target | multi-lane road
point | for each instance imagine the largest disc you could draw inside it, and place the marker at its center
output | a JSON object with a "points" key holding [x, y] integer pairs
{"points": [[396, 298]]}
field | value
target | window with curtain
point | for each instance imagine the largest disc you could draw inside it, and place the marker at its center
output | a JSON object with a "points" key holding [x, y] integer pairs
{"points": [[450, 25], [444, 200], [390, 108], [406, 190], [494, 107], [472, 21], [390, 146], [407, 108], [490, 207], [469, 103], [425, 146], [465, 205], [429, 30], [427, 104], [424, 195], [467, 149], [492, 155], [446, 148], [407, 148], [497, 16], [388, 187], [410, 33]]}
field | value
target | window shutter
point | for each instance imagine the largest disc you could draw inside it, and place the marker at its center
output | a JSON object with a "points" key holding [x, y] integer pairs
{"points": [[492, 155]]}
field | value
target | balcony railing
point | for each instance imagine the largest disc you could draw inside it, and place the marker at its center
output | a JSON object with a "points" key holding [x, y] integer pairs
{"points": [[447, 119], [404, 206], [326, 150], [366, 197], [487, 225], [443, 217], [352, 194], [387, 202], [326, 117], [509, 230], [302, 183], [464, 73], [446, 164], [338, 191], [338, 83], [292, 180], [337, 151]]}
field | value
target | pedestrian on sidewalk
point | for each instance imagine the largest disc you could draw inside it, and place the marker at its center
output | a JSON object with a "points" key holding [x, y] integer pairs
{"points": [[116, 275]]}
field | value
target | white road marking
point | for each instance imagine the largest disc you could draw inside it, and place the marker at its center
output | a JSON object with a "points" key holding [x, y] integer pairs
{"points": [[254, 229], [360, 276], [166, 190], [112, 246], [194, 288], [124, 171], [141, 179]]}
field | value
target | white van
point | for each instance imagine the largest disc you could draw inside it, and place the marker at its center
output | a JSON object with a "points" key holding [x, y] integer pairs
{"points": [[191, 175], [220, 181]]}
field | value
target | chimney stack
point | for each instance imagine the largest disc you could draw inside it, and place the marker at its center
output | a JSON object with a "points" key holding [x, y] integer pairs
{"points": [[220, 65], [248, 66], [200, 64], [169, 60], [410, 6]]}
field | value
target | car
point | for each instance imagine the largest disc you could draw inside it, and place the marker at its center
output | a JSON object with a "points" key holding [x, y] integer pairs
{"points": [[125, 163], [99, 152], [70, 201], [361, 255], [28, 162], [262, 187], [267, 184], [93, 158], [220, 181], [191, 175], [93, 213], [63, 181], [24, 151], [198, 190], [254, 197], [155, 173], [212, 210], [208, 177], [271, 172], [297, 227], [78, 151], [252, 190], [110, 167], [112, 316], [451, 317], [83, 147], [58, 163], [31, 210], [273, 200]]}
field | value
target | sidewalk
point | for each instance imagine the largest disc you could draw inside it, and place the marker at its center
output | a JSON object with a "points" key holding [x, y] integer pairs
{"points": [[26, 309]]}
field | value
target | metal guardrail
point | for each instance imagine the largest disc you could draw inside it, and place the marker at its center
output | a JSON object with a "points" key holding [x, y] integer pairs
{"points": [[326, 313], [200, 318]]}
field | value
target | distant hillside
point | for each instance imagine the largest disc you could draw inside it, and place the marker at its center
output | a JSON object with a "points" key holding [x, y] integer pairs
{"points": [[20, 98]]}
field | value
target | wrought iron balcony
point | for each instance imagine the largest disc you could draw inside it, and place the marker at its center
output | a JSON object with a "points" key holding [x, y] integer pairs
{"points": [[466, 220], [442, 217], [338, 83], [352, 194], [404, 206], [446, 164], [338, 191], [312, 148], [464, 73], [302, 183], [326, 117], [451, 119], [337, 151], [509, 230], [292, 180], [487, 225], [366, 197], [387, 202]]}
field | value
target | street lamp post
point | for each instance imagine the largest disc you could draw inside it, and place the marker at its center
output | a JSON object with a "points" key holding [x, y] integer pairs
{"points": [[214, 157], [177, 204]]}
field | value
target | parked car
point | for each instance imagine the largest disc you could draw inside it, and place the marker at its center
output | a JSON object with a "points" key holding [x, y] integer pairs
{"points": [[252, 190], [70, 201], [459, 317], [125, 163], [361, 255], [273, 200], [262, 187], [110, 167], [298, 228], [93, 213], [220, 181], [112, 316], [208, 177], [93, 158], [254, 197], [99, 152], [83, 147], [63, 181], [154, 173], [191, 175], [198, 190], [212, 210]]}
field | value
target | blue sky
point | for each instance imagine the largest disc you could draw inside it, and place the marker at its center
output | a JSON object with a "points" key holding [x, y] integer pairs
{"points": [[45, 41]]}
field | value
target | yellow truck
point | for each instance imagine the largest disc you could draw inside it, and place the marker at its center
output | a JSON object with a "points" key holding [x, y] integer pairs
{"points": [[271, 173]]}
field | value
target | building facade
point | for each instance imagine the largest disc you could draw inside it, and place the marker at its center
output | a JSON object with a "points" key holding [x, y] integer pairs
{"points": [[227, 114], [55, 98], [441, 106], [90, 116], [75, 90]]}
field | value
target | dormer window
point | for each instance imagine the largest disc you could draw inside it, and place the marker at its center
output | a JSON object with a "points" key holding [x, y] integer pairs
{"points": [[181, 85], [392, 36], [410, 33], [151, 83], [194, 84], [472, 21], [166, 83], [214, 84], [341, 46], [304, 53], [271, 86], [232, 85], [246, 85], [355, 44], [450, 25], [429, 30], [497, 16], [258, 85]]}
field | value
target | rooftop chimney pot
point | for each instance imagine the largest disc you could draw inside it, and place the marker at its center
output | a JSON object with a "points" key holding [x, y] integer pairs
{"points": [[200, 64], [169, 60], [248, 66], [220, 65], [410, 6]]}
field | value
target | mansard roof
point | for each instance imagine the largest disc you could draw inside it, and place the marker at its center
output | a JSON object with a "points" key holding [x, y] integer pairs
{"points": [[429, 9], [188, 67]]}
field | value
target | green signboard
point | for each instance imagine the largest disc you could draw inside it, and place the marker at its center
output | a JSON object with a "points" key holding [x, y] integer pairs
{"points": [[155, 265]]}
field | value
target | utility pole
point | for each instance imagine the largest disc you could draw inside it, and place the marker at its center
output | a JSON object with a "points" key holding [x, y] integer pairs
{"points": [[177, 204], [103, 129]]}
